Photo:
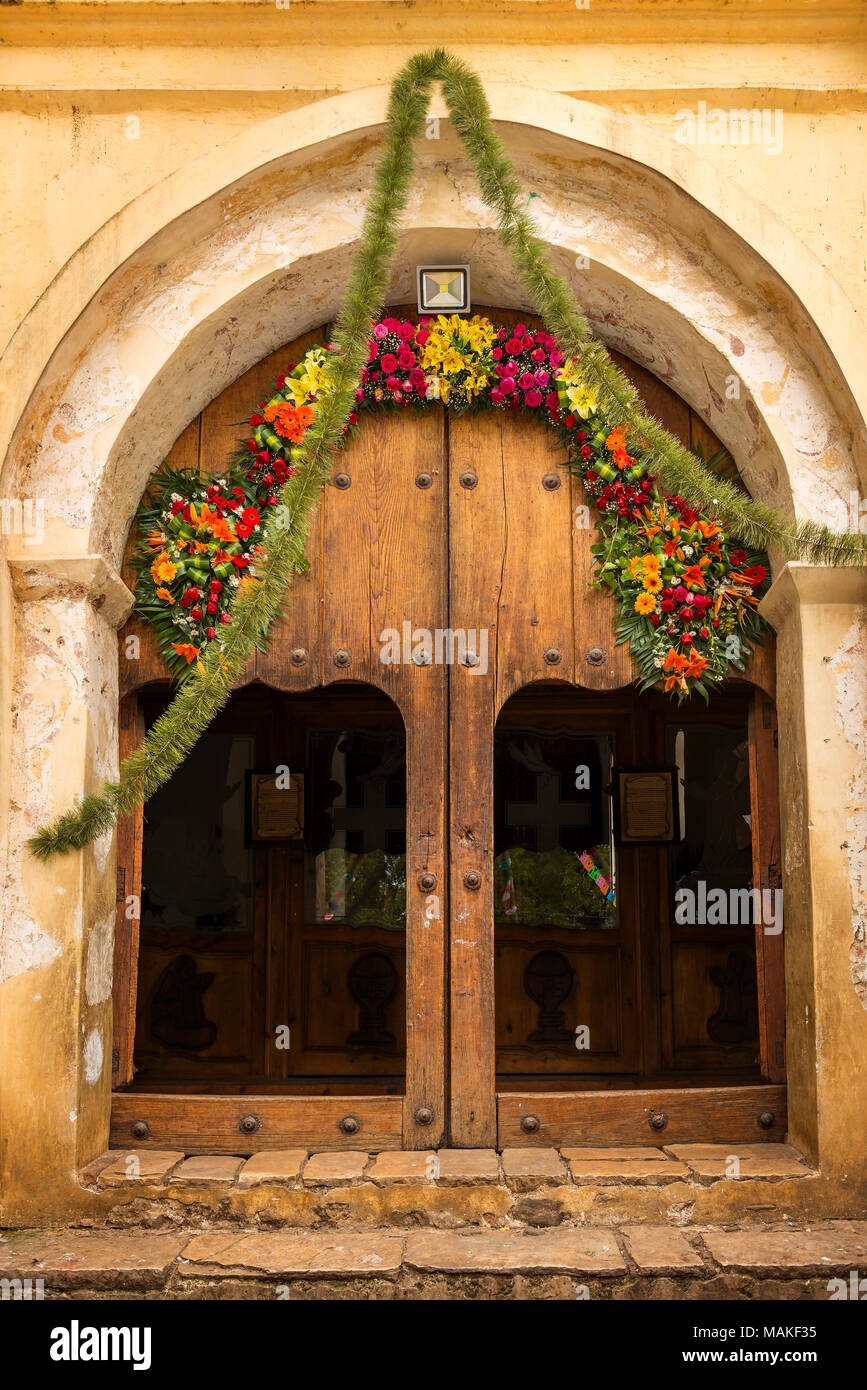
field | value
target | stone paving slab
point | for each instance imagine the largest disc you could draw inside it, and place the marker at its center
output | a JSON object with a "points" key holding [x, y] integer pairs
{"points": [[583, 1251], [781, 1159], [832, 1246], [615, 1154], [337, 1169], [403, 1165], [140, 1165], [91, 1259], [661, 1250], [274, 1165], [651, 1173], [465, 1166], [207, 1168], [527, 1169], [289, 1253]]}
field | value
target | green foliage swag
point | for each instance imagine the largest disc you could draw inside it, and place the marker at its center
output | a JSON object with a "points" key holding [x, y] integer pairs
{"points": [[284, 535]]}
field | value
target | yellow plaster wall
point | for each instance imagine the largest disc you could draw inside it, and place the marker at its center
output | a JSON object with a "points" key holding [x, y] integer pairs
{"points": [[99, 101]]}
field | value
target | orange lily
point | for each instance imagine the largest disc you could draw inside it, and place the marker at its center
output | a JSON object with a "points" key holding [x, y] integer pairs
{"points": [[222, 531], [692, 576], [186, 650], [696, 665], [675, 661]]}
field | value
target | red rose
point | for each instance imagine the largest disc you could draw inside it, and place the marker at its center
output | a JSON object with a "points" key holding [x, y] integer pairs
{"points": [[570, 425], [667, 606], [389, 363], [587, 452], [255, 420], [654, 618], [703, 633], [252, 446], [686, 639], [211, 608], [224, 618], [281, 382], [513, 347], [196, 612], [211, 634], [686, 615]]}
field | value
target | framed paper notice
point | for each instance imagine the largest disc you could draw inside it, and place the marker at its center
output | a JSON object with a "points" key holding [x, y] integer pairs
{"points": [[275, 807], [645, 806]]}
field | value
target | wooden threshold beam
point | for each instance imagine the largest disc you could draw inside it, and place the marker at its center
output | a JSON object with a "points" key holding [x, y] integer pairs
{"points": [[711, 1115], [212, 1124]]}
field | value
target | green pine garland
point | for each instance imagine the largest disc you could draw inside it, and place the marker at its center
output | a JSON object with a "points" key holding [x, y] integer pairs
{"points": [[205, 693]]}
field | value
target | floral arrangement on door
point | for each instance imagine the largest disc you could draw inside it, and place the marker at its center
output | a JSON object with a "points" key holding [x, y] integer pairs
{"points": [[687, 593]]}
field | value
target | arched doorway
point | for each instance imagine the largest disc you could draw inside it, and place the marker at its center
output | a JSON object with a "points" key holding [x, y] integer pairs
{"points": [[451, 570]]}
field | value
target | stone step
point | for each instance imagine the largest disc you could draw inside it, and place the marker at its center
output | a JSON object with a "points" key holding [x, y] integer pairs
{"points": [[784, 1261], [532, 1187]]}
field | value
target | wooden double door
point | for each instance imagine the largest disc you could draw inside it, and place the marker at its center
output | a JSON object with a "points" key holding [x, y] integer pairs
{"points": [[429, 960]]}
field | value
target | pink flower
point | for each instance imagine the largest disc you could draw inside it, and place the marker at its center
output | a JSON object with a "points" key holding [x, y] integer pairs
{"points": [[552, 401], [421, 337], [520, 330], [496, 395], [525, 381], [556, 359], [532, 399], [406, 359], [537, 355], [391, 325], [513, 347], [507, 385], [542, 377], [679, 594], [417, 377], [392, 384], [406, 332], [380, 331], [389, 363], [497, 354]]}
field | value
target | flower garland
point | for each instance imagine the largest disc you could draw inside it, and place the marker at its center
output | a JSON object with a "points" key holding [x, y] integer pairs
{"points": [[200, 698], [687, 595]]}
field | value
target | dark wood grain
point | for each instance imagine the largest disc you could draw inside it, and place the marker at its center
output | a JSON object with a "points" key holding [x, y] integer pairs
{"points": [[709, 1114]]}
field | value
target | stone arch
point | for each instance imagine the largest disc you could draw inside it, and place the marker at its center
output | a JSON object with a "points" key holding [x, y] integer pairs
{"points": [[219, 264]]}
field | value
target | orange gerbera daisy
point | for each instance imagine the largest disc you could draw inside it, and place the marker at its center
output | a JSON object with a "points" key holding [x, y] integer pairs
{"points": [[165, 595], [162, 569], [645, 603]]}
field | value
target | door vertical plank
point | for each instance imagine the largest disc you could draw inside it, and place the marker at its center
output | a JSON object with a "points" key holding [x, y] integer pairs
{"points": [[599, 663], [535, 602], [408, 564], [767, 874], [477, 542], [348, 524], [127, 923]]}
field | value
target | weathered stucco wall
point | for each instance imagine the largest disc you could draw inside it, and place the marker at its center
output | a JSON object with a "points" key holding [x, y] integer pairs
{"points": [[158, 261]]}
